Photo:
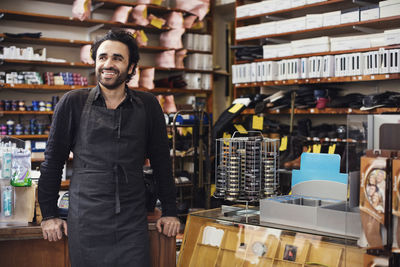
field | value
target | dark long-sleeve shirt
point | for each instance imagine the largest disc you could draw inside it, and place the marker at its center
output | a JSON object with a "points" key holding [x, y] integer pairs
{"points": [[63, 133]]}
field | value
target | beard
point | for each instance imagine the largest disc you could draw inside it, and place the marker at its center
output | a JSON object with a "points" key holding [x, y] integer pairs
{"points": [[111, 83]]}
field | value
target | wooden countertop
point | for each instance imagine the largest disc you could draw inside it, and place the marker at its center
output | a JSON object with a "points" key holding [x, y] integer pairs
{"points": [[20, 231]]}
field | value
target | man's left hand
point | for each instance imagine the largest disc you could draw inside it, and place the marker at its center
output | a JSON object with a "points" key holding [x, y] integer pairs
{"points": [[169, 226]]}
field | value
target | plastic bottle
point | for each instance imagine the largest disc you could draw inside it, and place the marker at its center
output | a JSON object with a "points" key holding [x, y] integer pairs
{"points": [[7, 200], [7, 161]]}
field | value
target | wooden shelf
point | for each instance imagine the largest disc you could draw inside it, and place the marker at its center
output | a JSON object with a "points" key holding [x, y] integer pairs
{"points": [[322, 54], [70, 21], [361, 78], [151, 8], [321, 7], [44, 41], [26, 112], [382, 23], [84, 65], [78, 43], [43, 87], [31, 136], [74, 87], [159, 90], [178, 69], [47, 63], [326, 111]]}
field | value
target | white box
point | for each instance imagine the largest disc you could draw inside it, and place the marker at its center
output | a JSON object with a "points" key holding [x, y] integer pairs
{"points": [[267, 28], [312, 45], [359, 64], [282, 70], [349, 42], [255, 8], [394, 60], [376, 39], [270, 51], [242, 11], [392, 37], [296, 3], [350, 16], [284, 50], [383, 61], [304, 68], [314, 1], [328, 66], [331, 18], [314, 21], [271, 70], [253, 72], [389, 8], [369, 12], [267, 6], [375, 62]]}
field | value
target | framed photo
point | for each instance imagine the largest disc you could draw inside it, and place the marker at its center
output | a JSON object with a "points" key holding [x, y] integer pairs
{"points": [[290, 253]]}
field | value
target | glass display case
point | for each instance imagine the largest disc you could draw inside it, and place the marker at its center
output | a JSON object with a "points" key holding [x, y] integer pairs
{"points": [[235, 236]]}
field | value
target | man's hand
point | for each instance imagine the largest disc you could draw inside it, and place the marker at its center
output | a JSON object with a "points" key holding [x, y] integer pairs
{"points": [[52, 229], [169, 226]]}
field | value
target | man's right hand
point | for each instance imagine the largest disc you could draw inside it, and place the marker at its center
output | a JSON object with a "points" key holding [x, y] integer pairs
{"points": [[52, 229]]}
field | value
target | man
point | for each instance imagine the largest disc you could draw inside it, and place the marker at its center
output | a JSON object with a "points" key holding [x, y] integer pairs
{"points": [[110, 129]]}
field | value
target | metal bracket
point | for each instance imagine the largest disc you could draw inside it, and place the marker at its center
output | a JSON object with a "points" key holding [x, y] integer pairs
{"points": [[274, 18], [92, 29], [276, 40], [1, 61], [1, 39], [362, 3], [1, 15], [96, 6], [366, 29]]}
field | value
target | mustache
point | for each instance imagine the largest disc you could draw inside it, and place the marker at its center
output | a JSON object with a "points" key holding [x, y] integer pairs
{"points": [[113, 69]]}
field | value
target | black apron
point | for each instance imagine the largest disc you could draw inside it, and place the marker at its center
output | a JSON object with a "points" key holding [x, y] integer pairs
{"points": [[107, 224]]}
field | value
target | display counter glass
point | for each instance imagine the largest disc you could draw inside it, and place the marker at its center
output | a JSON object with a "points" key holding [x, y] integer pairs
{"points": [[235, 236]]}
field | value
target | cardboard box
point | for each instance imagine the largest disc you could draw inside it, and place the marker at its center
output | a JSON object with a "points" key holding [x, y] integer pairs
{"points": [[391, 37], [350, 15], [331, 18], [314, 21], [312, 45], [369, 12], [389, 8]]}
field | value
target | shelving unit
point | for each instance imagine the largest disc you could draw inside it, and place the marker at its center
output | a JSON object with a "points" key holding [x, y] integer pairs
{"points": [[335, 30], [85, 31]]}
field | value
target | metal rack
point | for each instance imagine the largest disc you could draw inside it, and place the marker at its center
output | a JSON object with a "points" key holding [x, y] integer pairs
{"points": [[246, 168]]}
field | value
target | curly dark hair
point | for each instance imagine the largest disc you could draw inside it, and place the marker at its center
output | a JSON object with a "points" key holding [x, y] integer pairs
{"points": [[125, 38]]}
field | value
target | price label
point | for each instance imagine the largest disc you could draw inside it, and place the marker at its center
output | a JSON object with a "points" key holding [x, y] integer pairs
{"points": [[283, 145], [235, 108], [240, 128], [258, 122]]}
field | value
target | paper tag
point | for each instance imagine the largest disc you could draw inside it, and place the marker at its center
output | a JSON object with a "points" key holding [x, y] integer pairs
{"points": [[226, 136], [184, 131], [170, 136], [258, 122], [145, 13], [235, 108], [240, 128], [143, 36], [309, 149], [158, 23], [212, 189], [190, 130], [316, 148], [332, 149], [283, 146], [156, 2]]}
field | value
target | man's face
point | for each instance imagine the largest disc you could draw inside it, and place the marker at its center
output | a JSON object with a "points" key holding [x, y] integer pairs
{"points": [[112, 61]]}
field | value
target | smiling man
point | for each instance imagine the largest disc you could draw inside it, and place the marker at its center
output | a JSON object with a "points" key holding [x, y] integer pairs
{"points": [[111, 130]]}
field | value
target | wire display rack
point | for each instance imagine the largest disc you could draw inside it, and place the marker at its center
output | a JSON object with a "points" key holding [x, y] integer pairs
{"points": [[246, 168]]}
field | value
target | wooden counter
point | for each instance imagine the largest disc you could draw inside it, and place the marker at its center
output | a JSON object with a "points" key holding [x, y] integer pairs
{"points": [[23, 245]]}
